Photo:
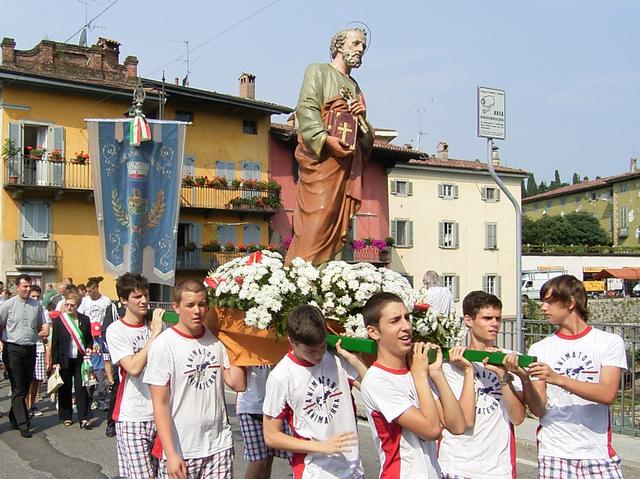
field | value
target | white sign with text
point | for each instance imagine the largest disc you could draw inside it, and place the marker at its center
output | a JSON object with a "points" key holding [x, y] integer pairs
{"points": [[491, 113]]}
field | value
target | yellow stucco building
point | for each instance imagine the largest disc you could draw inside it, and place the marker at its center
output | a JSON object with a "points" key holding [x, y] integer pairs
{"points": [[613, 200], [47, 214], [449, 216]]}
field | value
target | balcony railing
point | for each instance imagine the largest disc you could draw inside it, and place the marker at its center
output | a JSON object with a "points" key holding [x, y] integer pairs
{"points": [[36, 254], [225, 198], [198, 260], [24, 171], [368, 254]]}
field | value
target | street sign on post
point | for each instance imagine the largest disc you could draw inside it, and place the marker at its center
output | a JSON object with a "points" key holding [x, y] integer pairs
{"points": [[491, 113]]}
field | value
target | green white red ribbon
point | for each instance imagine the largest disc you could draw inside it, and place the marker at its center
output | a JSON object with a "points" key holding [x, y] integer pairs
{"points": [[139, 130]]}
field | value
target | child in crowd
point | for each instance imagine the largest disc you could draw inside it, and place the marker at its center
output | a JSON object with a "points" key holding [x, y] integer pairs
{"points": [[249, 411], [130, 339], [575, 381], [404, 417], [490, 399], [40, 370], [188, 367], [310, 388], [98, 393]]}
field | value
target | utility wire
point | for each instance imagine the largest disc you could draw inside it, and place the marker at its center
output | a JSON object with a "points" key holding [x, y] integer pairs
{"points": [[87, 23], [217, 35]]}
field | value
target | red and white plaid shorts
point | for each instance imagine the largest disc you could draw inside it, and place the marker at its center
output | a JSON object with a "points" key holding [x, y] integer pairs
{"points": [[255, 449], [218, 466], [559, 468], [135, 440]]}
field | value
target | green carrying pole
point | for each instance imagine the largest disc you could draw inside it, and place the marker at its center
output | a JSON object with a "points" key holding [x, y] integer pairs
{"points": [[369, 346], [360, 345]]}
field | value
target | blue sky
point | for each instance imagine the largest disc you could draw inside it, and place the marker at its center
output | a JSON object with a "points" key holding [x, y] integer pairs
{"points": [[569, 67]]}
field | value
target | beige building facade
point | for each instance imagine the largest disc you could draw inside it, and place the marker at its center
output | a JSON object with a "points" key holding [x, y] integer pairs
{"points": [[451, 217]]}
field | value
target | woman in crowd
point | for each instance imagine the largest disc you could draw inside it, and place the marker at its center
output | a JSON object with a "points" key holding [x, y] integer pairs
{"points": [[71, 341]]}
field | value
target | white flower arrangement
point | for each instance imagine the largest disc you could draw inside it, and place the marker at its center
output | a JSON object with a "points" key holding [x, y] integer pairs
{"points": [[260, 285], [345, 288], [267, 291], [442, 329]]}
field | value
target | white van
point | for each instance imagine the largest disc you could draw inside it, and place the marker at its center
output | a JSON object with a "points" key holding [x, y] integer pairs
{"points": [[532, 281]]}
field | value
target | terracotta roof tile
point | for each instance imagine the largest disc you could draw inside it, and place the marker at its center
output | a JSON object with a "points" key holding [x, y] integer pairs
{"points": [[474, 165]]}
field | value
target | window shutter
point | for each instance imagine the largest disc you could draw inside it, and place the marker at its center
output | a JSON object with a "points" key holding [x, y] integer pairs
{"points": [[456, 235], [494, 229], [485, 286], [441, 234], [226, 233], [456, 287], [455, 191], [487, 236], [409, 188], [497, 194], [219, 168], [189, 166], [394, 231], [409, 233], [440, 190], [483, 192], [251, 234], [56, 138], [28, 220], [15, 134], [498, 286], [394, 187]]}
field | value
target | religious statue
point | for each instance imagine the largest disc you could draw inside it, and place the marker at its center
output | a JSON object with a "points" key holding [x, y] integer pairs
{"points": [[334, 141]]}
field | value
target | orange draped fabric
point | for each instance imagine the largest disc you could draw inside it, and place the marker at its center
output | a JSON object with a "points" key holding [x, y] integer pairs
{"points": [[329, 195]]}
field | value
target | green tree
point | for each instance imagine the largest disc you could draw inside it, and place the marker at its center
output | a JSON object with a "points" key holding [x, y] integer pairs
{"points": [[588, 230], [532, 186], [570, 229], [523, 189], [576, 179], [542, 187]]}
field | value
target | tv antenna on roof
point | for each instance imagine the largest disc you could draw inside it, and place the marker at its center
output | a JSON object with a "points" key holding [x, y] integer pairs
{"points": [[83, 41]]}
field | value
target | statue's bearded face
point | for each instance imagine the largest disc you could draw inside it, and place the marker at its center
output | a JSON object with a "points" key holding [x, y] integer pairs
{"points": [[353, 48]]}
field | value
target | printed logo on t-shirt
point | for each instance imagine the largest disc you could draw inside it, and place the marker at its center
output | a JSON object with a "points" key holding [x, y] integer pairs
{"points": [[140, 340], [576, 365], [322, 400], [488, 393], [202, 368]]}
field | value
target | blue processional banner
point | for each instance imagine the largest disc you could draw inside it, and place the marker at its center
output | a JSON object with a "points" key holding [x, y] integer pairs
{"points": [[137, 196]]}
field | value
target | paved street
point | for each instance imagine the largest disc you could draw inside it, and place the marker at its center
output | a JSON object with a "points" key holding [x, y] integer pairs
{"points": [[60, 452]]}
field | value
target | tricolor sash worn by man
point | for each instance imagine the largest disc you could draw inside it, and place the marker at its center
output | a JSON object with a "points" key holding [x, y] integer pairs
{"points": [[334, 142], [137, 193]]}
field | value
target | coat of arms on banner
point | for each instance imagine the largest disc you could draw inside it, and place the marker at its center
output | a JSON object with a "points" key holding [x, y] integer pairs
{"points": [[137, 191]]}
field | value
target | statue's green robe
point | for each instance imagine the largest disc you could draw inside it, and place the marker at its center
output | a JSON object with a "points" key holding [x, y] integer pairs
{"points": [[329, 189]]}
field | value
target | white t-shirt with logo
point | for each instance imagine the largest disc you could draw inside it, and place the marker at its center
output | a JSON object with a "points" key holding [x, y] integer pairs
{"points": [[95, 309], [251, 399], [387, 394], [488, 450], [574, 428], [133, 400], [192, 366], [316, 402]]}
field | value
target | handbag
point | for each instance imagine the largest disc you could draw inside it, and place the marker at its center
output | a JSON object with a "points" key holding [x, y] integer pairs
{"points": [[54, 382]]}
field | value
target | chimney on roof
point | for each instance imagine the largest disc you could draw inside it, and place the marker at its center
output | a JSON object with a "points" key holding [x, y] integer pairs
{"points": [[248, 86], [442, 151], [177, 81], [495, 157], [633, 164], [8, 51]]}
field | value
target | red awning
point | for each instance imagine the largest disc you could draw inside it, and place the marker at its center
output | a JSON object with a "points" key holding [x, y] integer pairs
{"points": [[629, 274]]}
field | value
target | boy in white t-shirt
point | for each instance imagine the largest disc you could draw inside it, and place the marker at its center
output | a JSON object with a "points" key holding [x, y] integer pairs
{"points": [[188, 368], [404, 416], [574, 383], [310, 388], [130, 339], [249, 411], [490, 399]]}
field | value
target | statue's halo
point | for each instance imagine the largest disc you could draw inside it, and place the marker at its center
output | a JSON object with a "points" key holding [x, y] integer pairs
{"points": [[364, 26]]}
